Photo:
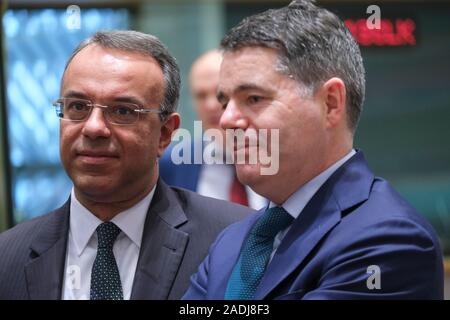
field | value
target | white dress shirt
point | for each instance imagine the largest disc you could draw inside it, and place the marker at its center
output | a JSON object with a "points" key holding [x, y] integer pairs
{"points": [[82, 247], [295, 204], [215, 181]]}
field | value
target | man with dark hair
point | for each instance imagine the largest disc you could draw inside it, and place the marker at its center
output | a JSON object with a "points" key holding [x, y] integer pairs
{"points": [[332, 230], [123, 233]]}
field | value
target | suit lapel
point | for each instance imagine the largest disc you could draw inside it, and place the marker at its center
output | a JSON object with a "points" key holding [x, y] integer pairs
{"points": [[162, 247], [194, 168], [44, 273], [346, 188], [307, 230], [161, 252]]}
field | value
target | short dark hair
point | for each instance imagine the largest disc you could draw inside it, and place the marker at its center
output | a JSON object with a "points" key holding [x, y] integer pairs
{"points": [[146, 44], [313, 44]]}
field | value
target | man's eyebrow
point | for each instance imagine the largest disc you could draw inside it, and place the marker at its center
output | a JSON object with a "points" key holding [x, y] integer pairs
{"points": [[80, 95], [75, 94], [248, 86], [221, 96], [129, 99]]}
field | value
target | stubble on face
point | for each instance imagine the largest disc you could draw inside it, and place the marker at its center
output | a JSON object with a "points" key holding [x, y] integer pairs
{"points": [[112, 167], [283, 106]]}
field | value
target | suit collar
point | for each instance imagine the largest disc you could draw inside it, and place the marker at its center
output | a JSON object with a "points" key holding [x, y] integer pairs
{"points": [[167, 206], [132, 220], [160, 256], [346, 188], [44, 273], [295, 204], [351, 184], [163, 246]]}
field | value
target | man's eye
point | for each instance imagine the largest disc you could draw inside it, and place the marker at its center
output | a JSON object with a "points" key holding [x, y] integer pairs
{"points": [[78, 106], [254, 99], [122, 110]]}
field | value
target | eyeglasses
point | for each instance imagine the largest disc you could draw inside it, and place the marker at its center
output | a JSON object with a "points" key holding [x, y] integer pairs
{"points": [[120, 113]]}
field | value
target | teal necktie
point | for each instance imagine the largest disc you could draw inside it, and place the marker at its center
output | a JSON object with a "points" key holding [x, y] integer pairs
{"points": [[105, 277], [255, 254]]}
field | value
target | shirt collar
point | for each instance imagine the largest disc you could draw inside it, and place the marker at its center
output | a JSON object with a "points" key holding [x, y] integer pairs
{"points": [[83, 223], [299, 199]]}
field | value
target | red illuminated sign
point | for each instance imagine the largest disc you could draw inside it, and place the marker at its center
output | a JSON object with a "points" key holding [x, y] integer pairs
{"points": [[398, 32]]}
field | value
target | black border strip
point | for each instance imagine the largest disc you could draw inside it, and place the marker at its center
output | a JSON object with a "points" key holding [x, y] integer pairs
{"points": [[4, 126]]}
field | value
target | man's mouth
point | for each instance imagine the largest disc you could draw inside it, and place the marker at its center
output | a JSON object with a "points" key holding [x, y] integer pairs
{"points": [[96, 157]]}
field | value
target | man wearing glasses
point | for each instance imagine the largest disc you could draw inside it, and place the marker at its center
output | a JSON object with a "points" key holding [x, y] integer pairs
{"points": [[123, 234]]}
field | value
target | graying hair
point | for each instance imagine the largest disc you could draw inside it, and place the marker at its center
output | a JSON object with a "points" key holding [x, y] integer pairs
{"points": [[313, 45], [146, 44]]}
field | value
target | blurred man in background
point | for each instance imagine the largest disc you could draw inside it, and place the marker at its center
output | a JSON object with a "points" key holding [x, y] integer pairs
{"points": [[332, 230], [213, 180], [123, 233]]}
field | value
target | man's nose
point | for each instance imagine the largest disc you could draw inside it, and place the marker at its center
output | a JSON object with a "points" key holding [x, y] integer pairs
{"points": [[233, 117], [96, 125]]}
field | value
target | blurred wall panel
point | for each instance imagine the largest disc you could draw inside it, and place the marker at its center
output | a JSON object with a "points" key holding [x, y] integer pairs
{"points": [[38, 44], [188, 28]]}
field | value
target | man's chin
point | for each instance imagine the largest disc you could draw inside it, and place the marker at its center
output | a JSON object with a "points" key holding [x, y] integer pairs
{"points": [[248, 174], [94, 187]]}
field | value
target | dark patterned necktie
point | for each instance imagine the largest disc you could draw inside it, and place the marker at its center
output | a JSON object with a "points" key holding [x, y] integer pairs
{"points": [[255, 254], [105, 277]]}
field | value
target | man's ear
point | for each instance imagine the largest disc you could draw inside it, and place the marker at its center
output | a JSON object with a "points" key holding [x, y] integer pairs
{"points": [[335, 99], [170, 125]]}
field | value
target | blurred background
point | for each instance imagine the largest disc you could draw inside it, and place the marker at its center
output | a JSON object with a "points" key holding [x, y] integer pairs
{"points": [[405, 126]]}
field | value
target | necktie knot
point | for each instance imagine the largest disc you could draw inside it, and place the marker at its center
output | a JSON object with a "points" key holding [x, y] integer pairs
{"points": [[255, 253], [107, 233], [271, 222]]}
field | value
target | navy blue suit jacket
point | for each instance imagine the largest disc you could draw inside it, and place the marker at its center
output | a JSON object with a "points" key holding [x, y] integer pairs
{"points": [[182, 175], [353, 222]]}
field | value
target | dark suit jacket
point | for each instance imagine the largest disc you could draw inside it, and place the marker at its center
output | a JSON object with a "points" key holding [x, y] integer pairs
{"points": [[353, 222], [179, 227]]}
